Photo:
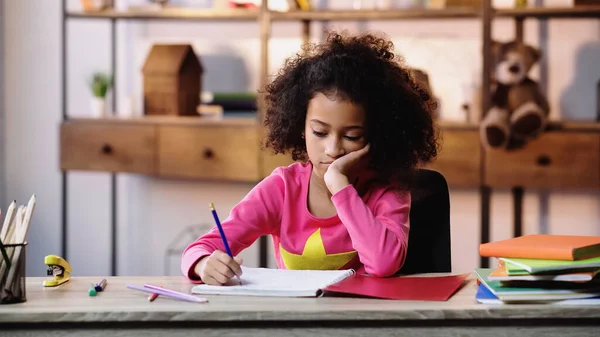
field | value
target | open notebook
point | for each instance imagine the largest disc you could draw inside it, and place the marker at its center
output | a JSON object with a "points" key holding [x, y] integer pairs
{"points": [[277, 282]]}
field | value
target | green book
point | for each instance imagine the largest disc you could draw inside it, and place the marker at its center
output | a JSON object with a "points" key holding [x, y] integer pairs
{"points": [[516, 266], [233, 96]]}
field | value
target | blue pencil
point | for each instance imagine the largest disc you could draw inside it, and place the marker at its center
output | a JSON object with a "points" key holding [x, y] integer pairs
{"points": [[218, 222]]}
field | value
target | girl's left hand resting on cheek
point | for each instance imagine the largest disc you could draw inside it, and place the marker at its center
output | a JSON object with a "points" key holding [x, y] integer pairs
{"points": [[345, 169]]}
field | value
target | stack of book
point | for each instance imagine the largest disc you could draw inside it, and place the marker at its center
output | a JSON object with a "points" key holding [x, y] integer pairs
{"points": [[541, 268], [217, 104]]}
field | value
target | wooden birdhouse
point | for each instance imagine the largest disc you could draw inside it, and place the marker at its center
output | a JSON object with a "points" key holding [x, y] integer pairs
{"points": [[172, 80]]}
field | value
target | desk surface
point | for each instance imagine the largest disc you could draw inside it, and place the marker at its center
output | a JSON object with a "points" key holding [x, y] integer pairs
{"points": [[70, 303]]}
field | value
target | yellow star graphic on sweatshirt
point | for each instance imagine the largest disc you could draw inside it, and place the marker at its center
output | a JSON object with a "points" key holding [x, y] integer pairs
{"points": [[314, 256]]}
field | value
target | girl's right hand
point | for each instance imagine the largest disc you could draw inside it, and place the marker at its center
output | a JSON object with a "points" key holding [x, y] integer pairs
{"points": [[218, 268]]}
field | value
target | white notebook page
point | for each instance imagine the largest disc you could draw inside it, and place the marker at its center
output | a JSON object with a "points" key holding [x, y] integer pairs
{"points": [[277, 282]]}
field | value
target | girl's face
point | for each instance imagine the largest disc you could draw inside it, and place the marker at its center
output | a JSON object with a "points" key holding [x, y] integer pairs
{"points": [[333, 128]]}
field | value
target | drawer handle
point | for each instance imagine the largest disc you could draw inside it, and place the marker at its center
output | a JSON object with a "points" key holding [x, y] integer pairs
{"points": [[208, 153], [544, 160], [107, 149]]}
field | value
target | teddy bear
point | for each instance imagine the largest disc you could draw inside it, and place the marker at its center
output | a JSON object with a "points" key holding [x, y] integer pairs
{"points": [[518, 109]]}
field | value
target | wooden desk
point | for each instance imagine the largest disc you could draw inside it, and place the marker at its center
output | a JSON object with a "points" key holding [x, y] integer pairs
{"points": [[69, 311]]}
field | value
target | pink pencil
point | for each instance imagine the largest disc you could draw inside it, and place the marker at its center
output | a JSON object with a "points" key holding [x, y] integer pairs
{"points": [[169, 293], [150, 286]]}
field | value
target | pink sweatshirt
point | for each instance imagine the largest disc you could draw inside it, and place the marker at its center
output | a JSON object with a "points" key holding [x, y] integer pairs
{"points": [[369, 234]]}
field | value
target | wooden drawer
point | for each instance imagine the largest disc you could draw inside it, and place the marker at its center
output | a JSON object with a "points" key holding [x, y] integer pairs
{"points": [[554, 160], [459, 158], [98, 146], [210, 152]]}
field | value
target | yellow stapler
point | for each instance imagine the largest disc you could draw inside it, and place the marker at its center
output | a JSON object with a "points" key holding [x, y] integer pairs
{"points": [[59, 268]]}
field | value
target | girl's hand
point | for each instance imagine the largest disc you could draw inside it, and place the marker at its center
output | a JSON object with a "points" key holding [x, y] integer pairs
{"points": [[345, 169], [218, 268]]}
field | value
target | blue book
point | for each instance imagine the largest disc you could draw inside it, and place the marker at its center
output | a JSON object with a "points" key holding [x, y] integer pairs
{"points": [[485, 296]]}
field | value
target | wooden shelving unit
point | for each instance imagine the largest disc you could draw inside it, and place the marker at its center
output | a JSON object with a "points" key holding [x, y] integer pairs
{"points": [[550, 13], [170, 13], [354, 15], [108, 144], [179, 14]]}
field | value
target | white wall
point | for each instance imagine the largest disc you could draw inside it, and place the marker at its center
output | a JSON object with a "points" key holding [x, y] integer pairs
{"points": [[2, 121], [32, 112], [152, 212]]}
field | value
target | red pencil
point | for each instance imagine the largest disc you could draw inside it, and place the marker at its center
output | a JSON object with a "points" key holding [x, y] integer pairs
{"points": [[153, 296]]}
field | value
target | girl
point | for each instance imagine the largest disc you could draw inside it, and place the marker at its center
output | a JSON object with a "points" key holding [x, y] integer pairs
{"points": [[357, 124]]}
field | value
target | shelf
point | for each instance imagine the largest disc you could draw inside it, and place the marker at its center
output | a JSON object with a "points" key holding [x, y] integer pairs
{"points": [[545, 12], [553, 126], [172, 120], [179, 13], [249, 15], [348, 15], [455, 125], [171, 13], [573, 126], [230, 121], [162, 148], [228, 149], [554, 160]]}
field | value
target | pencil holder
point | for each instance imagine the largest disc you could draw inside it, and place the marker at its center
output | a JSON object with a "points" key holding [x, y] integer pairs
{"points": [[12, 282]]}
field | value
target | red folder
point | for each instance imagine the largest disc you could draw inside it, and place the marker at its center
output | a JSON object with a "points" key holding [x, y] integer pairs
{"points": [[408, 288]]}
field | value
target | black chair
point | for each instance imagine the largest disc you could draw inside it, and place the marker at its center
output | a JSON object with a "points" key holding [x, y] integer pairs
{"points": [[429, 248]]}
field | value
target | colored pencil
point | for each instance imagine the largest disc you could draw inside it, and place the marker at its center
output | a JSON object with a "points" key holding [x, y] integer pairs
{"points": [[8, 219], [152, 297], [150, 286], [169, 293], [218, 222], [19, 235]]}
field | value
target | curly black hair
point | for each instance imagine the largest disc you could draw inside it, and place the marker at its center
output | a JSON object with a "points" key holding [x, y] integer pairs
{"points": [[364, 70]]}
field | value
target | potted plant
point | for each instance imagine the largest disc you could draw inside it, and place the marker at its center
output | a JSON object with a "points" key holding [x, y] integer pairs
{"points": [[100, 84]]}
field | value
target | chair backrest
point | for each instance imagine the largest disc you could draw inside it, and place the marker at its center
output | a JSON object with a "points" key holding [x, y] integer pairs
{"points": [[429, 249]]}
